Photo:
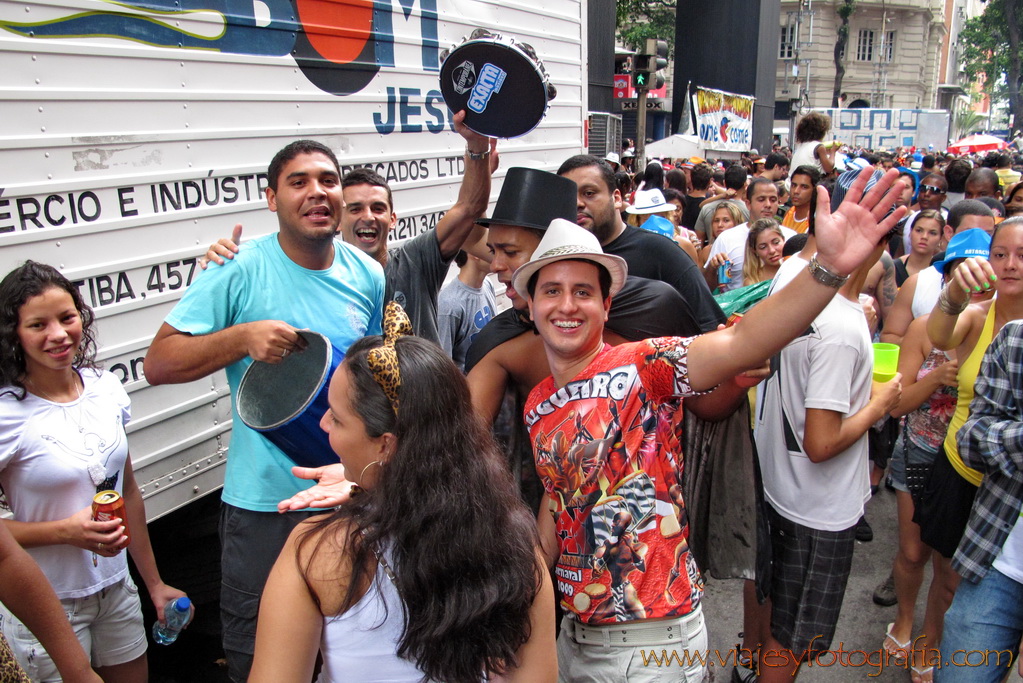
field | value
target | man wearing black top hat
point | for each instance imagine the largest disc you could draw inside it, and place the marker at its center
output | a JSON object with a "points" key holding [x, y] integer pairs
{"points": [[502, 352]]}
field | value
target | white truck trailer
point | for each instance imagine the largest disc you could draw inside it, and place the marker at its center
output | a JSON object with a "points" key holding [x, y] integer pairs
{"points": [[136, 133]]}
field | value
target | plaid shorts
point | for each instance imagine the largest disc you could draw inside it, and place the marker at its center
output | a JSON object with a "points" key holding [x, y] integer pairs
{"points": [[810, 569]]}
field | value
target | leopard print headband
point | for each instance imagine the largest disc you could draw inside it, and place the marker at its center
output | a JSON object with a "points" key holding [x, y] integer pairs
{"points": [[383, 360]]}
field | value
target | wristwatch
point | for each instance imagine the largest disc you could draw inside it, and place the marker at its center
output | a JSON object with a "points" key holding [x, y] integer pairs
{"points": [[825, 276], [476, 156]]}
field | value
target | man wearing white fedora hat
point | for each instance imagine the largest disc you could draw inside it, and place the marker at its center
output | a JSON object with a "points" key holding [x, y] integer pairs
{"points": [[605, 429], [614, 161]]}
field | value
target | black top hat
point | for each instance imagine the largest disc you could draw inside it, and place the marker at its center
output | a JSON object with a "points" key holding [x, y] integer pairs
{"points": [[532, 199]]}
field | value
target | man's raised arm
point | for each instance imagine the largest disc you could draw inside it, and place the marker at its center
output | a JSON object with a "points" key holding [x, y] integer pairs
{"points": [[844, 241], [473, 194]]}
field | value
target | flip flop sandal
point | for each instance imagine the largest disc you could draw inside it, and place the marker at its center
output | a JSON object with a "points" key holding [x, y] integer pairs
{"points": [[896, 650], [921, 675]]}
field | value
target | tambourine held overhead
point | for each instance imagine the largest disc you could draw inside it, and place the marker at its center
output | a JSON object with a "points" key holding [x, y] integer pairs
{"points": [[499, 82]]}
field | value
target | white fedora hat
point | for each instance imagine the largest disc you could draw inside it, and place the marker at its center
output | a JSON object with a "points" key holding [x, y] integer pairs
{"points": [[565, 240], [649, 201]]}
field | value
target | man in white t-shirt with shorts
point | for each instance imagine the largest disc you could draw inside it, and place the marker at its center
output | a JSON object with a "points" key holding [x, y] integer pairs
{"points": [[813, 413]]}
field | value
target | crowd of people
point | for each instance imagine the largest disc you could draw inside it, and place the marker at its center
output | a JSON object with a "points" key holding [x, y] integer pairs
{"points": [[653, 318]]}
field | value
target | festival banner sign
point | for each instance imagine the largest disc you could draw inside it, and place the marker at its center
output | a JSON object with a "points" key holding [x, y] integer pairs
{"points": [[724, 120]]}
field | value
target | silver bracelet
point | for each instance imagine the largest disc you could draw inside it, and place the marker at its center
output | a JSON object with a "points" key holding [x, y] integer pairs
{"points": [[825, 276], [949, 307], [476, 156]]}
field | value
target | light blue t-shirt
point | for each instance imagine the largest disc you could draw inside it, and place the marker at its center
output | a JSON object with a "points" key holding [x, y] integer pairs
{"points": [[343, 302]]}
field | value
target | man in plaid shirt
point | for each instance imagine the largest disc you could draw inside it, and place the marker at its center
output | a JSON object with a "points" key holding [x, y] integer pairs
{"points": [[987, 613]]}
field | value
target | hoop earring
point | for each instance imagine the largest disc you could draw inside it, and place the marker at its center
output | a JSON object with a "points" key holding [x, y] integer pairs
{"points": [[362, 475]]}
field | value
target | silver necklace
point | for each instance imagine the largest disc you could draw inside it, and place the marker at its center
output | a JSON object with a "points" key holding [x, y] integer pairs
{"points": [[64, 406]]}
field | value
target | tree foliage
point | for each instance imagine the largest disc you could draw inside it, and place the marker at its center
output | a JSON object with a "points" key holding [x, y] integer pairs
{"points": [[845, 10], [993, 49], [642, 19], [968, 121]]}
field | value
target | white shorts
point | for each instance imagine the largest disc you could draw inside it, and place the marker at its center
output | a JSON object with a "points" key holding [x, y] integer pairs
{"points": [[108, 625]]}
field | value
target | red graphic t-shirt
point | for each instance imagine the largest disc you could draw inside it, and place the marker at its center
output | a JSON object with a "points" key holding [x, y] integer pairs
{"points": [[607, 447]]}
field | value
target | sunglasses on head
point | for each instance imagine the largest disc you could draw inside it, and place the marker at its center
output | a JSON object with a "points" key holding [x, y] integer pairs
{"points": [[932, 189]]}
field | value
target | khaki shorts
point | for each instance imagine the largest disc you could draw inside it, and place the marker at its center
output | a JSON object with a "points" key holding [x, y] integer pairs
{"points": [[108, 625]]}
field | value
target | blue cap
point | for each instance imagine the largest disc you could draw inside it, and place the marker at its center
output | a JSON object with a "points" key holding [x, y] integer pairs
{"points": [[182, 604], [972, 242]]}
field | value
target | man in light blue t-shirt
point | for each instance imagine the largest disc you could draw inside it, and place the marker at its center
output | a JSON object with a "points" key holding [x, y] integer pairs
{"points": [[250, 309]]}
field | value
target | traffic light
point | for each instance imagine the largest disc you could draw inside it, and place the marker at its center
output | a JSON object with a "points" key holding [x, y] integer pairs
{"points": [[647, 64]]}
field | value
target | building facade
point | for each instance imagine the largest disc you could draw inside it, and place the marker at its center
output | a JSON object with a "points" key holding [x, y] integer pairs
{"points": [[896, 55]]}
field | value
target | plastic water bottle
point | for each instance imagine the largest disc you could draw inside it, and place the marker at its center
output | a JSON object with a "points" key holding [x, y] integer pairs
{"points": [[176, 614]]}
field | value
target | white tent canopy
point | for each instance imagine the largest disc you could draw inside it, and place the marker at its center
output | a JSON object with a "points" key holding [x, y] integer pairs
{"points": [[683, 147], [675, 147]]}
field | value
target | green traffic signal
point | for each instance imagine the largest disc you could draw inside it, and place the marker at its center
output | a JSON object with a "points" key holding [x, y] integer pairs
{"points": [[648, 60]]}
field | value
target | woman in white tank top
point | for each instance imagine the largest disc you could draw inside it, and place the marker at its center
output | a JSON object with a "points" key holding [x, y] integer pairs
{"points": [[431, 568]]}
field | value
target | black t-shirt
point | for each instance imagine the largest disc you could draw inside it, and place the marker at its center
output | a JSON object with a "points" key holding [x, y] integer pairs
{"points": [[691, 211], [656, 257], [642, 309]]}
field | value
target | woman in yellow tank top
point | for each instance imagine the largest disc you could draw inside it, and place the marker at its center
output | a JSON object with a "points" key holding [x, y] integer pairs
{"points": [[966, 319]]}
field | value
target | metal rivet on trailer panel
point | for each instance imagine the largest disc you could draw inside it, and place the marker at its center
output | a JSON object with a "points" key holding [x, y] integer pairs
{"points": [[195, 489], [58, 244], [42, 129], [46, 154], [40, 110]]}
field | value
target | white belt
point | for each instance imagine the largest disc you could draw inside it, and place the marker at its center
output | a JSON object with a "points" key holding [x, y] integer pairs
{"points": [[640, 632]]}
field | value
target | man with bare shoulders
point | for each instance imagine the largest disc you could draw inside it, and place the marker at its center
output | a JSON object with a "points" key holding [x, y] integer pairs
{"points": [[503, 353]]}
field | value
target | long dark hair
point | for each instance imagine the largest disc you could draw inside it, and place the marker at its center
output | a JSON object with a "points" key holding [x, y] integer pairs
{"points": [[462, 543], [21, 284], [653, 176]]}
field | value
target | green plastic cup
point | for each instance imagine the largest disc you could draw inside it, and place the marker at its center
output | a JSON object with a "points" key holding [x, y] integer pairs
{"points": [[886, 362]]}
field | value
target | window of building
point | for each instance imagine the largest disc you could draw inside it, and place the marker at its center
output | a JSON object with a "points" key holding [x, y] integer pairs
{"points": [[865, 46], [888, 47], [787, 46]]}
